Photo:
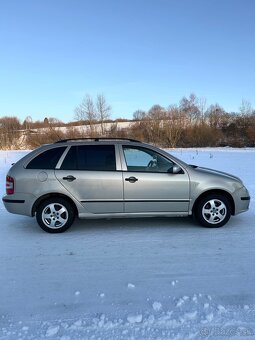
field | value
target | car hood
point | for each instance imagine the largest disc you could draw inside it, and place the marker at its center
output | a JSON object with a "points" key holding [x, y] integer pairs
{"points": [[215, 172]]}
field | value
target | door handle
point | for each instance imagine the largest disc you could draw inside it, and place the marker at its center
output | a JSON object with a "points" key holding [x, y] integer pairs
{"points": [[131, 179], [69, 178]]}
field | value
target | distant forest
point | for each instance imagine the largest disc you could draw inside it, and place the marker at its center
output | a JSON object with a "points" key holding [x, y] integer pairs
{"points": [[190, 123]]}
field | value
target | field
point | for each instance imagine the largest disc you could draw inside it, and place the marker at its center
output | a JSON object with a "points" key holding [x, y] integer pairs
{"points": [[131, 279]]}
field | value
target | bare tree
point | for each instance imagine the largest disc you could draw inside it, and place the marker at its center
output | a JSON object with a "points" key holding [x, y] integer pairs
{"points": [[215, 114], [245, 108], [172, 126], [139, 115], [156, 115], [102, 111], [27, 123], [86, 112], [9, 131], [190, 107], [141, 128], [202, 108]]}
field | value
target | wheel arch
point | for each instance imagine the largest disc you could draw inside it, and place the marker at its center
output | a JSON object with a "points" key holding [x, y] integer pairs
{"points": [[52, 195], [215, 191]]}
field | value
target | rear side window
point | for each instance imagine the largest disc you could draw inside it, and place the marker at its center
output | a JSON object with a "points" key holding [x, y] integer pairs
{"points": [[70, 163], [47, 159], [90, 157]]}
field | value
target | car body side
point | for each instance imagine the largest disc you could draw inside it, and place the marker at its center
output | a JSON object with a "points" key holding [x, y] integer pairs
{"points": [[201, 181]]}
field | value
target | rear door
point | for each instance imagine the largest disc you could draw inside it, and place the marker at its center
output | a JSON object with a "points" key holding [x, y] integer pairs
{"points": [[89, 174], [149, 183]]}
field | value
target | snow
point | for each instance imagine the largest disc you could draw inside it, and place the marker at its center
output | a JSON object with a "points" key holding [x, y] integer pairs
{"points": [[156, 306], [52, 330], [135, 318], [131, 279], [131, 286]]}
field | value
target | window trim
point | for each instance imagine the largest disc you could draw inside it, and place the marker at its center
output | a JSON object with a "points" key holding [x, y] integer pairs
{"points": [[61, 159]]}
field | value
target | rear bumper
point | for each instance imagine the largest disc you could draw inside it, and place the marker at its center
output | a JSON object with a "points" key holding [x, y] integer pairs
{"points": [[19, 204], [7, 200]]}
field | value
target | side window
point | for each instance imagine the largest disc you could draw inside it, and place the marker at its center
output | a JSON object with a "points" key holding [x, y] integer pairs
{"points": [[90, 157], [145, 160], [70, 163], [47, 159]]}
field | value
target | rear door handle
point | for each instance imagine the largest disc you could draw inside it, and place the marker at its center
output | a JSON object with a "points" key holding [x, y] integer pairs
{"points": [[69, 178], [131, 179]]}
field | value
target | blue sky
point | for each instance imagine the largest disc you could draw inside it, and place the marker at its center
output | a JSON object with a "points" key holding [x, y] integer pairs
{"points": [[136, 52]]}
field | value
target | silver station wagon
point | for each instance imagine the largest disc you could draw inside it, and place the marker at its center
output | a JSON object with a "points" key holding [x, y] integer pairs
{"points": [[107, 178]]}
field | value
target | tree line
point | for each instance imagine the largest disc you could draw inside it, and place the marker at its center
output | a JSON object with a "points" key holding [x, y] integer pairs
{"points": [[193, 124], [190, 123]]}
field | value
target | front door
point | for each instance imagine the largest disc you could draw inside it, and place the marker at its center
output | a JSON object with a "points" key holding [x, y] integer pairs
{"points": [[150, 185]]}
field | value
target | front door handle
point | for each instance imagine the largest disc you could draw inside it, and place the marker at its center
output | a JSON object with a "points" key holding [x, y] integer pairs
{"points": [[131, 179], [69, 178]]}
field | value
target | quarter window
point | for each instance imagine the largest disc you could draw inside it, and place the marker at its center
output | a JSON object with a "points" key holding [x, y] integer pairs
{"points": [[47, 159]]}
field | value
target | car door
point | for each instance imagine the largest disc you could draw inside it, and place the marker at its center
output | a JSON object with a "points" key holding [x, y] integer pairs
{"points": [[88, 173], [150, 184]]}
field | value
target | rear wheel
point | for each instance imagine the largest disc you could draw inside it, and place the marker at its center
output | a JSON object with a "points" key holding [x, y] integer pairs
{"points": [[213, 211], [55, 215]]}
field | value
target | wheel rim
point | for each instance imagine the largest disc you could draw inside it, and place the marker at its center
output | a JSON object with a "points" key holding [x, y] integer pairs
{"points": [[214, 211], [55, 215]]}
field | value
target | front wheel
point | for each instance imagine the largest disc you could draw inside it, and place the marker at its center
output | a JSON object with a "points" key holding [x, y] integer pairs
{"points": [[213, 211], [55, 215]]}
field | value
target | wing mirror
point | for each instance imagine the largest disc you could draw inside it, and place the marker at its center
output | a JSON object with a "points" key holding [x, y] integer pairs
{"points": [[176, 169]]}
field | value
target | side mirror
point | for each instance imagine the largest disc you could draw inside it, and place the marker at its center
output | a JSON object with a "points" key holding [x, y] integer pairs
{"points": [[176, 169]]}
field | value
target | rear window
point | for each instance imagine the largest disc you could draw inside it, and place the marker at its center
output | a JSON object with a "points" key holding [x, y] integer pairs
{"points": [[47, 159], [90, 157]]}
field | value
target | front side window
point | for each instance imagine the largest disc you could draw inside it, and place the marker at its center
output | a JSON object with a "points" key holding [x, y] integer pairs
{"points": [[90, 157], [47, 159], [145, 160]]}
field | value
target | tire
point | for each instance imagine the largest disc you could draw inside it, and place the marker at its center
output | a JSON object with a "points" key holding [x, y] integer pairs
{"points": [[213, 211], [55, 215]]}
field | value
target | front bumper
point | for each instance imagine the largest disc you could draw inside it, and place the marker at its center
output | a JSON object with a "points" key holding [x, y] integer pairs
{"points": [[242, 200]]}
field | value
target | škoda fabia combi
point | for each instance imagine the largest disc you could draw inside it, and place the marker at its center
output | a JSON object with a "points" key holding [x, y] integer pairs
{"points": [[107, 178]]}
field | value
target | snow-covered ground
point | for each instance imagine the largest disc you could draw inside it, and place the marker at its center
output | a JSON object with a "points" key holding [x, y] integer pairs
{"points": [[131, 279]]}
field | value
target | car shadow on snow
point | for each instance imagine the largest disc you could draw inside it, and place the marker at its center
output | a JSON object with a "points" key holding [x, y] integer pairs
{"points": [[133, 223], [28, 225], [23, 224], [154, 223]]}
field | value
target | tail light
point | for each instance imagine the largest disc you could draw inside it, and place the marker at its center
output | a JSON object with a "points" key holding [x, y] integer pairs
{"points": [[9, 185]]}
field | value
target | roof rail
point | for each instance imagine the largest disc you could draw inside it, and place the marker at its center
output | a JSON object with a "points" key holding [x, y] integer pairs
{"points": [[97, 139]]}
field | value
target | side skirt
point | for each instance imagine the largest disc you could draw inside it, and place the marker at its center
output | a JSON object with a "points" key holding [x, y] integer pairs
{"points": [[134, 215]]}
